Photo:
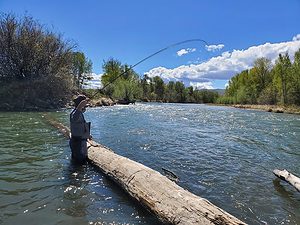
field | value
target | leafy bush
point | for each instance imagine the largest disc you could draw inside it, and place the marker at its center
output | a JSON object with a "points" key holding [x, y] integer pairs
{"points": [[35, 65]]}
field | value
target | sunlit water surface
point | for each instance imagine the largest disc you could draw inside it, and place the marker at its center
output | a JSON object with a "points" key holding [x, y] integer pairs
{"points": [[223, 154]]}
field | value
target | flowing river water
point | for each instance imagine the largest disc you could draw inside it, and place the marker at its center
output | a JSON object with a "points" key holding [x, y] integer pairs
{"points": [[223, 154]]}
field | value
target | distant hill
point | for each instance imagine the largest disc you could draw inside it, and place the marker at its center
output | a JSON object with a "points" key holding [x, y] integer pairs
{"points": [[220, 91]]}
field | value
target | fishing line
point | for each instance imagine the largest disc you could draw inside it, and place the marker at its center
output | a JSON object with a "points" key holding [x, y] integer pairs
{"points": [[146, 58]]}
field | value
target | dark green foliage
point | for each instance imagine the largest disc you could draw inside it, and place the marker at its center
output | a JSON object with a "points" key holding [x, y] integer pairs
{"points": [[159, 87], [264, 84]]}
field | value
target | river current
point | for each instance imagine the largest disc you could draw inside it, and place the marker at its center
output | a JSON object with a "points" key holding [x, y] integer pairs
{"points": [[223, 154]]}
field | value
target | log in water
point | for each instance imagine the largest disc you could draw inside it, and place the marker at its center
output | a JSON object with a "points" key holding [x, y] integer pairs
{"points": [[288, 177], [169, 202]]}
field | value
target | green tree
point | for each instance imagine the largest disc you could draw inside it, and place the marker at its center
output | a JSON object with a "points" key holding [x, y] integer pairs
{"points": [[262, 67], [112, 68], [295, 80], [265, 84], [180, 93], [82, 68], [198, 96], [282, 72], [120, 81], [127, 90], [145, 84], [170, 92], [190, 94], [159, 87]]}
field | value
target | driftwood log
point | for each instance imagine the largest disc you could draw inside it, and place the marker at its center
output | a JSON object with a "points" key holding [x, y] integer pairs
{"points": [[169, 202], [288, 177]]}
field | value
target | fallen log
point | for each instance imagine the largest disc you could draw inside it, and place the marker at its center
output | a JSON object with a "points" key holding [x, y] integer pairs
{"points": [[288, 177], [169, 202], [62, 128]]}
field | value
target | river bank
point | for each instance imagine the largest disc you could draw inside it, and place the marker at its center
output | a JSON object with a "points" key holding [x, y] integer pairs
{"points": [[103, 101], [270, 108]]}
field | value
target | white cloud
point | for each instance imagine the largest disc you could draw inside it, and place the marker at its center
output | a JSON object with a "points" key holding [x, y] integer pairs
{"points": [[227, 84], [212, 48], [202, 85], [95, 83], [183, 51], [226, 65], [296, 38]]}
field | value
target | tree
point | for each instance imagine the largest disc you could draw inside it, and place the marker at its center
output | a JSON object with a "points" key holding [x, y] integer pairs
{"points": [[170, 93], [262, 67], [282, 71], [82, 68], [180, 94], [265, 84], [295, 80], [190, 94], [127, 90], [145, 83], [120, 81], [159, 87], [35, 63], [112, 69]]}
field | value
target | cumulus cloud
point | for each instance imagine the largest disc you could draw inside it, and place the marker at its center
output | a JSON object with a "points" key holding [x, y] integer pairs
{"points": [[183, 51], [212, 48], [296, 38], [226, 65], [95, 83], [202, 85]]}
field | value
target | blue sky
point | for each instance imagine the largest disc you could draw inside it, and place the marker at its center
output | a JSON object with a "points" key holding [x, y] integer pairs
{"points": [[131, 30]]}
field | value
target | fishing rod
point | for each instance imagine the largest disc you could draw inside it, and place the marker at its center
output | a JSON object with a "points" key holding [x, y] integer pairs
{"points": [[146, 58]]}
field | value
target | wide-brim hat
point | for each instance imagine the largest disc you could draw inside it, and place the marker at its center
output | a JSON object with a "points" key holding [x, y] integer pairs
{"points": [[79, 99]]}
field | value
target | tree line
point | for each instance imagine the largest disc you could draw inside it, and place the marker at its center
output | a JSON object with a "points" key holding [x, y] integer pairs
{"points": [[130, 87], [266, 83], [38, 68]]}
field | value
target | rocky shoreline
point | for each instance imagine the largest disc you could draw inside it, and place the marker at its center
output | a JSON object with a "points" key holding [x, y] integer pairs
{"points": [[102, 102], [271, 108]]}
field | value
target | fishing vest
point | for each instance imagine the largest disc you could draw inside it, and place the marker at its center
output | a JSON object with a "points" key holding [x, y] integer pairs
{"points": [[79, 127]]}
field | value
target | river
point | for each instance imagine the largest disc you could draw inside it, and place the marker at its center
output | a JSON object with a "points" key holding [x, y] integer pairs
{"points": [[223, 154]]}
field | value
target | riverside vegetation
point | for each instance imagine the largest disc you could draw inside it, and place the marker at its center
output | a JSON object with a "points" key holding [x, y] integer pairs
{"points": [[266, 84], [272, 88], [40, 70]]}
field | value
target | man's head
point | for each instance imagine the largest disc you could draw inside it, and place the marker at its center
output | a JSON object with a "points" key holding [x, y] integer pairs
{"points": [[79, 99]]}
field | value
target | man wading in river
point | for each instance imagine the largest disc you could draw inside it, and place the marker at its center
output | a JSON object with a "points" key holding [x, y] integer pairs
{"points": [[80, 130]]}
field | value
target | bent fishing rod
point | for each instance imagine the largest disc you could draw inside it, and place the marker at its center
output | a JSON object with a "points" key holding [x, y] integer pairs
{"points": [[146, 58]]}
